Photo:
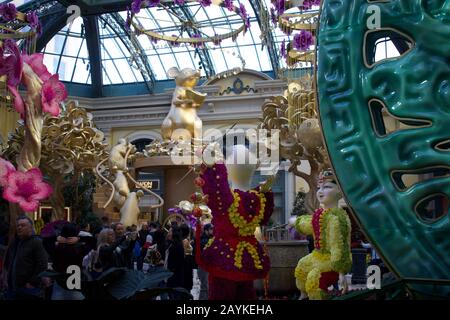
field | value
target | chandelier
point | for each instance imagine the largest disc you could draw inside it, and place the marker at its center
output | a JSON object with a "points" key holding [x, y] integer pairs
{"points": [[185, 28]]}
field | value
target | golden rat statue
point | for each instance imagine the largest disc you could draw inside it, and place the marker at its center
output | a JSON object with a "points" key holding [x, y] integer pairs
{"points": [[183, 111]]}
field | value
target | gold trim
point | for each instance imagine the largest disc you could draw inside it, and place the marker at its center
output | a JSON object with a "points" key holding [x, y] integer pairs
{"points": [[429, 123], [416, 172], [427, 197], [370, 66]]}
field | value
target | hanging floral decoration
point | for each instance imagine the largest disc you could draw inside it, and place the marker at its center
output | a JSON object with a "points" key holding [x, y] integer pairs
{"points": [[13, 65], [26, 189], [196, 40], [228, 4], [308, 4], [303, 40], [8, 12]]}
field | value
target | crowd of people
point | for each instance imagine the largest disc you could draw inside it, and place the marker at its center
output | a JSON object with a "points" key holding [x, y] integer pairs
{"points": [[96, 251]]}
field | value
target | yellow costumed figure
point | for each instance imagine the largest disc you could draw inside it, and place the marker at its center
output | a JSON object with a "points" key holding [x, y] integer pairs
{"points": [[330, 227]]}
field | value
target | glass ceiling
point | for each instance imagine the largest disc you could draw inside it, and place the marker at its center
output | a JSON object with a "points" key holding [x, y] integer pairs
{"points": [[125, 60], [67, 52]]}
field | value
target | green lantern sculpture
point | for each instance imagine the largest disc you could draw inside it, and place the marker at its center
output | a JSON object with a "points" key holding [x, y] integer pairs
{"points": [[358, 93]]}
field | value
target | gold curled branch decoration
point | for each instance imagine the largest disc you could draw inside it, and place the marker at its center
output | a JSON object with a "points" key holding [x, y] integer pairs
{"points": [[161, 200], [97, 170]]}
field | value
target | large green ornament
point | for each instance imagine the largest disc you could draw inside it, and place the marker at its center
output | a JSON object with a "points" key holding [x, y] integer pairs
{"points": [[370, 161]]}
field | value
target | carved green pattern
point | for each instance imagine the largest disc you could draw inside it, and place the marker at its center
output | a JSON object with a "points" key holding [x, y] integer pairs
{"points": [[413, 86]]}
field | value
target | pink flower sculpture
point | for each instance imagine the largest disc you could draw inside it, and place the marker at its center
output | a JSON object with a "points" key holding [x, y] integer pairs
{"points": [[11, 62], [26, 189], [52, 94], [5, 169], [36, 62], [19, 105]]}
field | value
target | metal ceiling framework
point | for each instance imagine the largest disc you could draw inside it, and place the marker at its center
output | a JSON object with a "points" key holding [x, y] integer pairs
{"points": [[54, 17]]}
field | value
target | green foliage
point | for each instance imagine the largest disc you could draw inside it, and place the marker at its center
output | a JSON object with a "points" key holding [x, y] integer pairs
{"points": [[122, 283], [299, 205]]}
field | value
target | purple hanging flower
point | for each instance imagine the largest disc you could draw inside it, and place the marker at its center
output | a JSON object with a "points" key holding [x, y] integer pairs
{"points": [[228, 4], [136, 6], [205, 3], [8, 11], [280, 6], [242, 10], [174, 43], [128, 20], [175, 211], [303, 40], [154, 3], [196, 44], [283, 49], [273, 15], [243, 13], [179, 2], [33, 19], [308, 4]]}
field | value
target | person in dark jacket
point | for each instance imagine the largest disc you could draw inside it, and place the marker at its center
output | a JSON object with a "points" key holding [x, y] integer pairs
{"points": [[207, 234], [159, 238], [174, 259], [68, 251], [25, 260], [142, 236], [126, 242], [189, 260], [87, 237]]}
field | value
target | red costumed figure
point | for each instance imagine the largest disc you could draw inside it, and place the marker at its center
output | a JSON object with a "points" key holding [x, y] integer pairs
{"points": [[233, 257]]}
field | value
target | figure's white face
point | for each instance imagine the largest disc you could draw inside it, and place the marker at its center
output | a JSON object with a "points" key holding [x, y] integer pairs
{"points": [[328, 194]]}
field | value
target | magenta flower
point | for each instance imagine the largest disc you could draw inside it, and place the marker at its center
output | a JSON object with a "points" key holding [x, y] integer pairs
{"points": [[19, 105], [303, 40], [11, 62], [6, 168], [205, 3], [36, 62], [26, 189], [179, 2], [228, 4], [52, 94], [8, 11]]}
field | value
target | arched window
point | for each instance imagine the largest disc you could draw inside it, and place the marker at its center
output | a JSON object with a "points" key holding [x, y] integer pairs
{"points": [[141, 143]]}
